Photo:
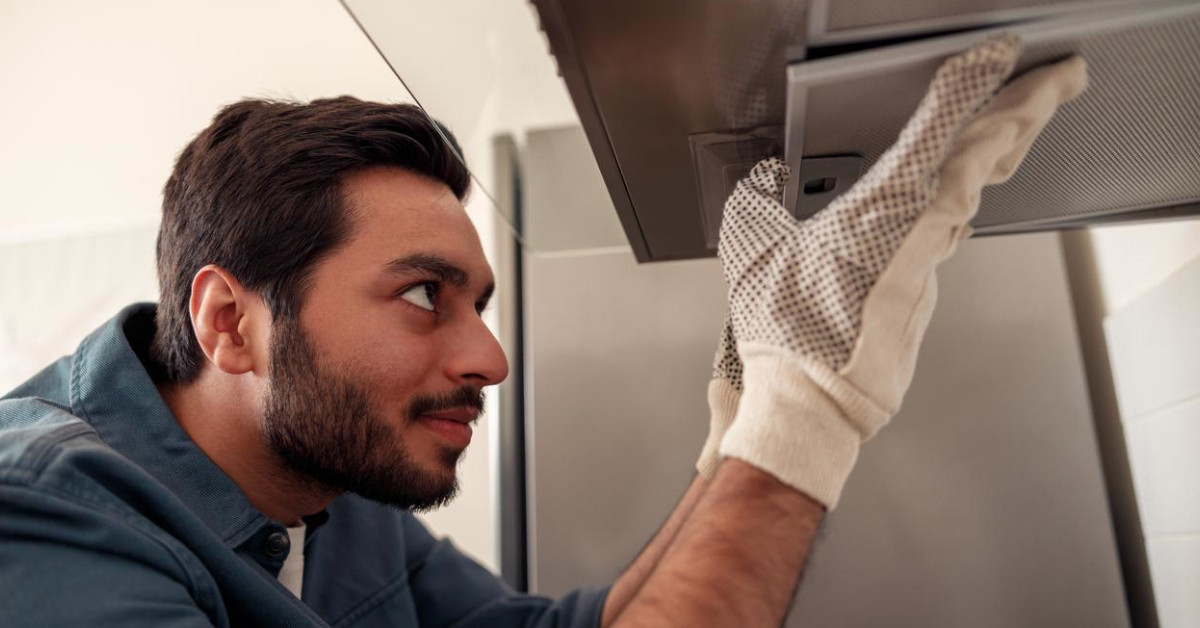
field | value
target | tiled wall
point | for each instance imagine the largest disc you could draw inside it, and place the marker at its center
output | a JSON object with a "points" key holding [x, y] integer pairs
{"points": [[1154, 345]]}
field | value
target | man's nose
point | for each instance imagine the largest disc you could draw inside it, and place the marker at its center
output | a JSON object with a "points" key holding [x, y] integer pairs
{"points": [[476, 357]]}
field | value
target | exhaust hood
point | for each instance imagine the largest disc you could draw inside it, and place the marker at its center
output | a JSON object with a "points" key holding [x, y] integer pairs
{"points": [[679, 99]]}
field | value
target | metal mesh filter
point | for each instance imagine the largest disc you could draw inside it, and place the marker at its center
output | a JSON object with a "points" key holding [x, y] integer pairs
{"points": [[844, 15], [1131, 141]]}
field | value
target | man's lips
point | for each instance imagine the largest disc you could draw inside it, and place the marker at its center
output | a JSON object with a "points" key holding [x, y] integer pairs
{"points": [[452, 425], [461, 415]]}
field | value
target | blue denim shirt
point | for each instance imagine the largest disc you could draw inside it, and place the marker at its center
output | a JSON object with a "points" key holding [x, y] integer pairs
{"points": [[111, 515]]}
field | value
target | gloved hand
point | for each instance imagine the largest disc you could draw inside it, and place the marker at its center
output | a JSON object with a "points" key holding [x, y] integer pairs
{"points": [[724, 390], [829, 313]]}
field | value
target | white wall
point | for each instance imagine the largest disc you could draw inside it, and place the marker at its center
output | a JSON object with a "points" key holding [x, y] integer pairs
{"points": [[100, 96], [480, 66], [98, 99], [1150, 279], [1133, 259]]}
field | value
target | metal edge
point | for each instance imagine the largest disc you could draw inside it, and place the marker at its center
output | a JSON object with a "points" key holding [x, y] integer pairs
{"points": [[825, 37], [508, 446], [793, 133], [554, 24], [1179, 211], [874, 61], [818, 20], [438, 126], [527, 390]]}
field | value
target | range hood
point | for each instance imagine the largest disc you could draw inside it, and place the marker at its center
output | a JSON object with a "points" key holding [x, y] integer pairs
{"points": [[679, 99]]}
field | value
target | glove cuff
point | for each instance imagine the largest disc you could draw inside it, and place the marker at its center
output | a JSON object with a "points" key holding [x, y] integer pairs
{"points": [[800, 422], [722, 405]]}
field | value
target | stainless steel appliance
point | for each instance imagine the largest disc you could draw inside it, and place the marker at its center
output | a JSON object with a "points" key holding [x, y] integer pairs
{"points": [[680, 98]]}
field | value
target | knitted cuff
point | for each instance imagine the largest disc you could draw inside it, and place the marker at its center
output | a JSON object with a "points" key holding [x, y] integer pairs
{"points": [[722, 405], [799, 421]]}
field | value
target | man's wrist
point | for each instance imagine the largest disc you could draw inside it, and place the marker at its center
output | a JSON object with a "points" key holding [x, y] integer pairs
{"points": [[736, 560], [750, 480]]}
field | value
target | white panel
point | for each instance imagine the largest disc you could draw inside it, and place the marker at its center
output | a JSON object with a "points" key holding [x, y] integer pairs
{"points": [[54, 292], [1175, 568], [1154, 344], [1133, 259], [1164, 453]]}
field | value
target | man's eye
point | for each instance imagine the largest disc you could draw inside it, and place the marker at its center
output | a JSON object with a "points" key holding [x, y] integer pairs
{"points": [[422, 295]]}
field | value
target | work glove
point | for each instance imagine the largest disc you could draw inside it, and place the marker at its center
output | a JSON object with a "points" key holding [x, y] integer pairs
{"points": [[724, 390], [829, 313]]}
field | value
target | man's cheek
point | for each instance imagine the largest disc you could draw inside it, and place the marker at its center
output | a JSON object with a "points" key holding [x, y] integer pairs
{"points": [[396, 378]]}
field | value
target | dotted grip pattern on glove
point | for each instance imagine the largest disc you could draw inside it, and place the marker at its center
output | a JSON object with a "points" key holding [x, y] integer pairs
{"points": [[809, 398], [801, 286], [724, 391], [828, 315], [727, 365]]}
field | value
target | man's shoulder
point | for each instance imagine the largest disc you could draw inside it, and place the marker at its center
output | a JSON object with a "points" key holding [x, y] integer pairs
{"points": [[73, 517], [47, 450], [40, 431], [50, 384], [32, 429], [36, 416]]}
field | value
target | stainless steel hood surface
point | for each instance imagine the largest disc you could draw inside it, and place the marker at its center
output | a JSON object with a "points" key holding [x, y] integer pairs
{"points": [[679, 98], [644, 76]]}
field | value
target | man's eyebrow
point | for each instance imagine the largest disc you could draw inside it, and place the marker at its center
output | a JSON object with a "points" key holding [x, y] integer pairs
{"points": [[441, 268], [486, 296]]}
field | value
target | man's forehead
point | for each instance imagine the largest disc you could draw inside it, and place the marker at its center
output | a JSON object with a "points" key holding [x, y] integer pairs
{"points": [[398, 215], [382, 195]]}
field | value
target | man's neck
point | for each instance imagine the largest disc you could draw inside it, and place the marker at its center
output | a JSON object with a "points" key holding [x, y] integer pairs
{"points": [[220, 414]]}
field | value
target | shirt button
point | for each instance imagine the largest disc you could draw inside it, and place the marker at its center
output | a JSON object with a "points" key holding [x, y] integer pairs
{"points": [[278, 544]]}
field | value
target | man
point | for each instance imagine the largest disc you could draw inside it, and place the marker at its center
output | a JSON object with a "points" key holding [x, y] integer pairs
{"points": [[248, 451]]}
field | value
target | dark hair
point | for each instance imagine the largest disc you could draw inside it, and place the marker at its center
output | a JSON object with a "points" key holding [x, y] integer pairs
{"points": [[259, 193]]}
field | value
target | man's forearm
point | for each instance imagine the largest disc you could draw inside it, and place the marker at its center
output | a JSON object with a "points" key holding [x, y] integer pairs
{"points": [[636, 574], [736, 559]]}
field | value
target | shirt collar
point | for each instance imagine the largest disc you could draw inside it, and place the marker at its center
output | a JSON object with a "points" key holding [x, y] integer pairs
{"points": [[112, 391]]}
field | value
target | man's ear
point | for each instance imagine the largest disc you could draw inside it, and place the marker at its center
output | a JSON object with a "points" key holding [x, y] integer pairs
{"points": [[225, 320]]}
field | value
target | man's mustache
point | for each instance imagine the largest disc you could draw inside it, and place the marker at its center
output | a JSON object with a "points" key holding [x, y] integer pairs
{"points": [[464, 397]]}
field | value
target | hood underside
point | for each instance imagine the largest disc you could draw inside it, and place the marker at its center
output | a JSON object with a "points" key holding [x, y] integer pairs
{"points": [[679, 99]]}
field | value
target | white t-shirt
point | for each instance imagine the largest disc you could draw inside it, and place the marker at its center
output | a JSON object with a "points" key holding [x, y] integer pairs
{"points": [[291, 575]]}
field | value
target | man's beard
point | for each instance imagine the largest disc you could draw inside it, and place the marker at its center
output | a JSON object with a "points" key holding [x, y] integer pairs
{"points": [[324, 428]]}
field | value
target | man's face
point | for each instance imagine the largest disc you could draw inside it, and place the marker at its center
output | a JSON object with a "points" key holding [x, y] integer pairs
{"points": [[373, 389]]}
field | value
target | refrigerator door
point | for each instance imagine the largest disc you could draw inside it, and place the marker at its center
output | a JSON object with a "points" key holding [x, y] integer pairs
{"points": [[982, 504]]}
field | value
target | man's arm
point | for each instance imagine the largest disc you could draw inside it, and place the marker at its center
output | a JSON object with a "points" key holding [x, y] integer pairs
{"points": [[735, 559], [724, 391], [636, 574]]}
